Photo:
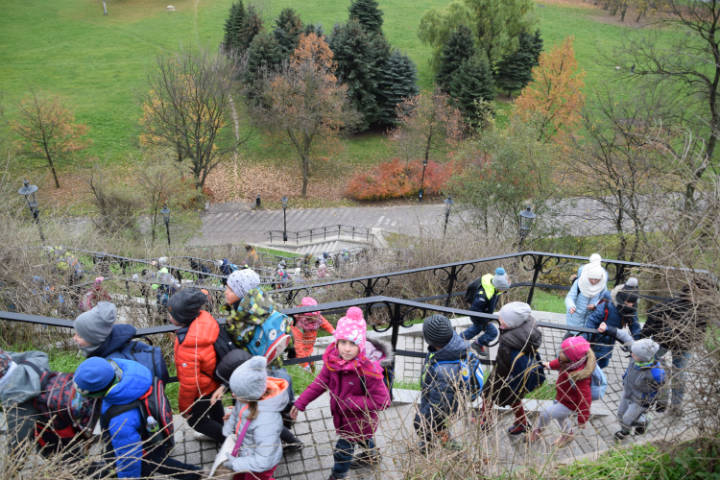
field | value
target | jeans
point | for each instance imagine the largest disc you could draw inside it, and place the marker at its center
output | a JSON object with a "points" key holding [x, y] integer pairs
{"points": [[480, 325], [155, 464], [680, 360], [343, 455], [207, 419], [556, 411]]}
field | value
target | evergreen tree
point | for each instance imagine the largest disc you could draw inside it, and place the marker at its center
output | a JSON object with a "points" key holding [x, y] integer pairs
{"points": [[251, 26], [458, 49], [472, 85], [360, 57], [397, 83], [514, 70], [233, 25], [536, 47], [264, 57], [316, 29], [368, 14], [288, 28]]}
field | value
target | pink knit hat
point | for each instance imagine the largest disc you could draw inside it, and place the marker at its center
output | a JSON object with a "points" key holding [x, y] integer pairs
{"points": [[352, 327], [309, 302], [575, 348]]}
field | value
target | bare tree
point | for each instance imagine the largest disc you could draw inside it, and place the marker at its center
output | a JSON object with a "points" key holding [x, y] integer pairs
{"points": [[187, 108]]}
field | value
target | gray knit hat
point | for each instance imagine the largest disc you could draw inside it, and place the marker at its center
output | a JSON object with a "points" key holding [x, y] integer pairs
{"points": [[437, 330], [515, 314], [500, 279], [95, 325], [249, 380], [242, 281], [644, 349]]}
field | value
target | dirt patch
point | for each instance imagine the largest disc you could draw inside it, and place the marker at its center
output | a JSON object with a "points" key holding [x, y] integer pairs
{"points": [[603, 16]]}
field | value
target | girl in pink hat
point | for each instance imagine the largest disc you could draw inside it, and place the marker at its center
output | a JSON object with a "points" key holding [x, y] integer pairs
{"points": [[576, 363], [357, 394], [305, 331]]}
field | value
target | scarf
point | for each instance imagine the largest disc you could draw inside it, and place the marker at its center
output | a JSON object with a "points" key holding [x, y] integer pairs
{"points": [[592, 271], [361, 364]]}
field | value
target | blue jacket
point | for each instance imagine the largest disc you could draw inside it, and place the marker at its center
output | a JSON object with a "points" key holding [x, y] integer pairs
{"points": [[602, 343], [120, 344], [437, 397], [576, 299], [124, 428]]}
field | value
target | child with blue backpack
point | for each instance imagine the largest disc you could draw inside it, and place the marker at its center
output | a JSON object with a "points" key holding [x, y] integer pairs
{"points": [[642, 380], [576, 362], [440, 378]]}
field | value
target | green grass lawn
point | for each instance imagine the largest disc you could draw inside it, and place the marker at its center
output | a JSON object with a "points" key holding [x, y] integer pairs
{"points": [[99, 64]]}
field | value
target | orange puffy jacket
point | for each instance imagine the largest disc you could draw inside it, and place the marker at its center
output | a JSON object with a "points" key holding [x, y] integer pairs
{"points": [[195, 359]]}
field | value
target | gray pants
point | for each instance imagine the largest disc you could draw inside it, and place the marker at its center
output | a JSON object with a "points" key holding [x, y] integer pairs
{"points": [[556, 411], [630, 413]]}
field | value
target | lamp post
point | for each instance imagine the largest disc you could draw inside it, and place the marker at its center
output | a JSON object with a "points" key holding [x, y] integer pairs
{"points": [[28, 191], [284, 205], [448, 206], [527, 218], [166, 217], [422, 181]]}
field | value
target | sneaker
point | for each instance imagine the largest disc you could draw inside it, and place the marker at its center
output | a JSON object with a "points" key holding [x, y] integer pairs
{"points": [[290, 448], [517, 429], [621, 434], [660, 407], [481, 350], [366, 458]]}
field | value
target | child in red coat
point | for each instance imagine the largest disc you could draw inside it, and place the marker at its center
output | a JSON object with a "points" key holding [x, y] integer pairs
{"points": [[576, 363], [357, 393], [305, 331]]}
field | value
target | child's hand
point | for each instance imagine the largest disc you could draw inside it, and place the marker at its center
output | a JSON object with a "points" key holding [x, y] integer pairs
{"points": [[294, 413], [591, 306], [602, 327], [572, 310], [546, 365], [217, 394]]}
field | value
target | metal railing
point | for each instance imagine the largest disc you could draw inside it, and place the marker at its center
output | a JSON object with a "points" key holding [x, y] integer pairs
{"points": [[332, 232]]}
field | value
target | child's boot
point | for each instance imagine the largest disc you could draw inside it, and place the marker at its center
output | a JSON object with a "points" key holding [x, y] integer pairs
{"points": [[564, 440], [517, 429], [621, 434], [367, 458]]}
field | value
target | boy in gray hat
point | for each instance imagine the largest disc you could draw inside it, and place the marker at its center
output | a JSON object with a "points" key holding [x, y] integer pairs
{"points": [[439, 379]]}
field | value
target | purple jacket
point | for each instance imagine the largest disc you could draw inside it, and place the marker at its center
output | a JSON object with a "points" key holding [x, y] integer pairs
{"points": [[357, 393]]}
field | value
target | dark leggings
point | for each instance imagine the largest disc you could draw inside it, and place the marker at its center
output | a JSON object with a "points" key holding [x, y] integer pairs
{"points": [[208, 419]]}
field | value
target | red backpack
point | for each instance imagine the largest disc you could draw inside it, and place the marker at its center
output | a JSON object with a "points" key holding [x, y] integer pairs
{"points": [[64, 413], [154, 403]]}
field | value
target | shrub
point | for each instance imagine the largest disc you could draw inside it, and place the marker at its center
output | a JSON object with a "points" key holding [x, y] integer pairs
{"points": [[398, 179]]}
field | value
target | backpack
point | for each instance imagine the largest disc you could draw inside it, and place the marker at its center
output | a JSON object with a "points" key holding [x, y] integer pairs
{"points": [[307, 323], [598, 383], [259, 326], [472, 289], [526, 375], [223, 344], [64, 413], [471, 373], [146, 355], [154, 403]]}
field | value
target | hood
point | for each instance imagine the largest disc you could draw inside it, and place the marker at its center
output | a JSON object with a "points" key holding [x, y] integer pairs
{"points": [[455, 349], [136, 380], [377, 350], [276, 397], [587, 370], [525, 335], [203, 331], [119, 336], [23, 382]]}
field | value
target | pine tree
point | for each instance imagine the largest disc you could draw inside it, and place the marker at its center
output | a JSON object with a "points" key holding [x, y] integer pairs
{"points": [[368, 14], [514, 70], [472, 85], [264, 57], [288, 28], [251, 26], [233, 25], [458, 49], [397, 83], [536, 47], [360, 57]]}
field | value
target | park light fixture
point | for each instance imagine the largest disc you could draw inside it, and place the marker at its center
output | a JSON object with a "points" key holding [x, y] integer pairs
{"points": [[527, 218], [284, 207], [28, 191]]}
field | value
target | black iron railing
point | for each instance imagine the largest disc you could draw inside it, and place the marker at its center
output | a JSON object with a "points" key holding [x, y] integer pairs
{"points": [[332, 232]]}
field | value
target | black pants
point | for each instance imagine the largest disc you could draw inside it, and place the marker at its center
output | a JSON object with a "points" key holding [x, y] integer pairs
{"points": [[207, 419], [155, 464]]}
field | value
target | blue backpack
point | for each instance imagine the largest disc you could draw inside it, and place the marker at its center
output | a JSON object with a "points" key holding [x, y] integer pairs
{"points": [[471, 373], [271, 339], [598, 383]]}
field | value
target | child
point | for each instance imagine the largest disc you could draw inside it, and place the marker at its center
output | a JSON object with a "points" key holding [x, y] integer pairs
{"points": [[305, 330], [483, 295], [585, 292], [642, 381], [94, 295], [440, 375], [257, 420], [195, 360], [576, 363], [519, 340], [357, 393]]}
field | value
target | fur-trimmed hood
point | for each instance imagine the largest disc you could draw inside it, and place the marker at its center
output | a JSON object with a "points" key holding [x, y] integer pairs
{"points": [[585, 371], [378, 350]]}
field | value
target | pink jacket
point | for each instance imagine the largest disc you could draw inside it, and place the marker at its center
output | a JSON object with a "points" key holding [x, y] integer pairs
{"points": [[357, 393]]}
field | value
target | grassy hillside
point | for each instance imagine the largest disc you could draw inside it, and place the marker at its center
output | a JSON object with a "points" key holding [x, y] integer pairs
{"points": [[99, 64]]}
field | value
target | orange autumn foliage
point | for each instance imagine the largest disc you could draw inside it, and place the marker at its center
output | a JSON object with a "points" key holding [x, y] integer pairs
{"points": [[398, 179], [554, 99]]}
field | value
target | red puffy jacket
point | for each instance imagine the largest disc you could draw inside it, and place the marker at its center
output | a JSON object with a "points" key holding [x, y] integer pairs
{"points": [[195, 359], [576, 396]]}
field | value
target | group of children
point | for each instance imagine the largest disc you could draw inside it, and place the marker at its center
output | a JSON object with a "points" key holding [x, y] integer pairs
{"points": [[121, 374]]}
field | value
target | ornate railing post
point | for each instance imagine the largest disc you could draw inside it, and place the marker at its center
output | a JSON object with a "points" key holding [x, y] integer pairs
{"points": [[452, 278], [537, 267]]}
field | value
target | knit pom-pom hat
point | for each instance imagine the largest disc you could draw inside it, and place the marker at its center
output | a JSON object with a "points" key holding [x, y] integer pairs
{"points": [[575, 348], [242, 281], [437, 330], [309, 302], [352, 327]]}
